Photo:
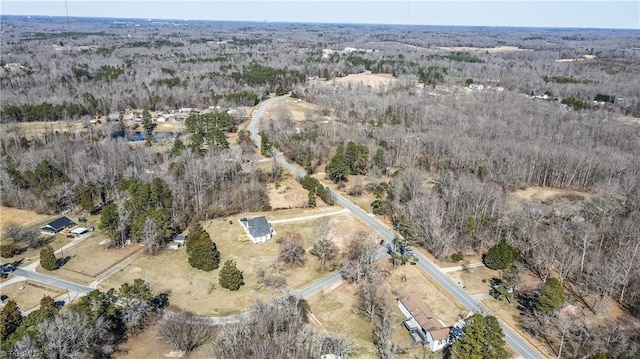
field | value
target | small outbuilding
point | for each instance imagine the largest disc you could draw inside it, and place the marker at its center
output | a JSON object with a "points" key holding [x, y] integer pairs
{"points": [[79, 231], [57, 225]]}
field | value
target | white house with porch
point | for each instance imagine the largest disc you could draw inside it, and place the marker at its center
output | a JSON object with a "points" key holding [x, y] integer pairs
{"points": [[422, 325], [258, 229]]}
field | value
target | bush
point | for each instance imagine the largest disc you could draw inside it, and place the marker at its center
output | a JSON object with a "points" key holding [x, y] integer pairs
{"points": [[501, 256], [457, 257], [10, 249]]}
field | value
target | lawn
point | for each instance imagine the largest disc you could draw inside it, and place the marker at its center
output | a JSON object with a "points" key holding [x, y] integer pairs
{"points": [[476, 280], [199, 292], [333, 312], [29, 297], [89, 259]]}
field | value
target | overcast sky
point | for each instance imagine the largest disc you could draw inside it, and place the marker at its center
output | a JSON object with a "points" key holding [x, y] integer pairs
{"points": [[528, 13]]}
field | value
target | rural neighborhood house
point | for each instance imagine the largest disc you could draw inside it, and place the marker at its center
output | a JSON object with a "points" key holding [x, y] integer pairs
{"points": [[258, 229], [57, 225], [423, 326]]}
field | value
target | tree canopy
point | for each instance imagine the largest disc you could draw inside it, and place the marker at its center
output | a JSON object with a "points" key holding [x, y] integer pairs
{"points": [[501, 255], [551, 296], [230, 276], [483, 338]]}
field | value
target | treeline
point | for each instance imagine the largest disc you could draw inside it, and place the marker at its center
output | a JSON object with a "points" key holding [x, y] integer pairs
{"points": [[93, 326], [42, 112], [257, 74], [59, 172]]}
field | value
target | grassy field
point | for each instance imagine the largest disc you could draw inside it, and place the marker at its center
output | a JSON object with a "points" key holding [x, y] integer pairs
{"points": [[83, 266], [288, 193], [29, 297], [199, 292], [23, 217], [475, 280]]}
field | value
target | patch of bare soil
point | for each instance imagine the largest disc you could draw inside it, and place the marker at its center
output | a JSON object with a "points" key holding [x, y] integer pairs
{"points": [[491, 50]]}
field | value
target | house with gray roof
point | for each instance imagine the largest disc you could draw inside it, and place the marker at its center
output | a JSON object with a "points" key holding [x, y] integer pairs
{"points": [[57, 225], [258, 229]]}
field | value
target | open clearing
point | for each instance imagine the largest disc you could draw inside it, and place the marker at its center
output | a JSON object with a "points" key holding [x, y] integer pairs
{"points": [[89, 259], [288, 193], [295, 110], [23, 217], [199, 292], [491, 50], [30, 296], [376, 82], [544, 193], [476, 280]]}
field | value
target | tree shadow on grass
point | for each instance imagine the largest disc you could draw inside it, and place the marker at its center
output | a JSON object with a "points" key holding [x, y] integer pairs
{"points": [[63, 260]]}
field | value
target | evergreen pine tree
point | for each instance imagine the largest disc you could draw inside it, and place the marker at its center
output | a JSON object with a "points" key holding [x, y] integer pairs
{"points": [[230, 277], [203, 253], [500, 256], [10, 319], [551, 296], [48, 259], [337, 168]]}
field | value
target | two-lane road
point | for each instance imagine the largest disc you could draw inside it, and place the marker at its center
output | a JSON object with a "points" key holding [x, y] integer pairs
{"points": [[53, 281], [516, 342]]}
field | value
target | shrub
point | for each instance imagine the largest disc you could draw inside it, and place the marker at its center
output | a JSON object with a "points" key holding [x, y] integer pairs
{"points": [[457, 257]]}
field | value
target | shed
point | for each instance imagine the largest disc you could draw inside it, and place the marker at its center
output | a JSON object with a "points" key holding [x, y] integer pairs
{"points": [[180, 239], [80, 230]]}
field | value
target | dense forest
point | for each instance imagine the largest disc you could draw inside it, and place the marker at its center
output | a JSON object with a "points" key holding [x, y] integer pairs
{"points": [[441, 158]]}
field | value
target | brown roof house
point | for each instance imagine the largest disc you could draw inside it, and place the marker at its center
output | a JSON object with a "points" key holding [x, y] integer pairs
{"points": [[423, 326]]}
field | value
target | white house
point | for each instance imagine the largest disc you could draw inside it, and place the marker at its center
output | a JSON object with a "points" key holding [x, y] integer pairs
{"points": [[258, 229], [423, 326]]}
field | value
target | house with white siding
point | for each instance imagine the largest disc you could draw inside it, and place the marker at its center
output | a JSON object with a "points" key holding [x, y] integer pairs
{"points": [[422, 325]]}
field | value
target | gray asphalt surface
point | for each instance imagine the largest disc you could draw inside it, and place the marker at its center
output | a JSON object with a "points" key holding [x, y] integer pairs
{"points": [[60, 283], [516, 342]]}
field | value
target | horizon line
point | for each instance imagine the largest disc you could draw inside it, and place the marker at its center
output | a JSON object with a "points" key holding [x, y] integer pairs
{"points": [[28, 16]]}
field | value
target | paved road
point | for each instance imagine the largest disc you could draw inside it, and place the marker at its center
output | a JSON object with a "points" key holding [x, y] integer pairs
{"points": [[522, 347], [53, 281]]}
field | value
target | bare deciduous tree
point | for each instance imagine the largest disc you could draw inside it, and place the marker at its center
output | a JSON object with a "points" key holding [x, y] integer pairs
{"points": [[185, 332], [323, 246], [291, 249]]}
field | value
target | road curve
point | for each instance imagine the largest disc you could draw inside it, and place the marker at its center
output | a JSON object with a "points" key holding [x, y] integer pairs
{"points": [[514, 340]]}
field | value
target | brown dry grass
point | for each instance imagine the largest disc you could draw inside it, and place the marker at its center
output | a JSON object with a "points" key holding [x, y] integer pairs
{"points": [[30, 296], [491, 50], [149, 345], [298, 111], [543, 194], [377, 82], [288, 193], [23, 217], [476, 280], [199, 291], [334, 311], [89, 259]]}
